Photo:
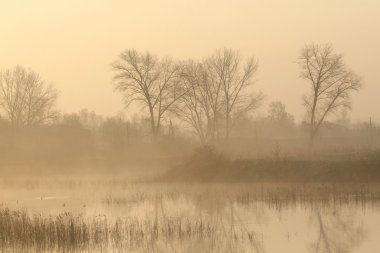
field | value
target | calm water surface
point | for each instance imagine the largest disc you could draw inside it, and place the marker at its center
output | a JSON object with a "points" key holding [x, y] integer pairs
{"points": [[228, 218]]}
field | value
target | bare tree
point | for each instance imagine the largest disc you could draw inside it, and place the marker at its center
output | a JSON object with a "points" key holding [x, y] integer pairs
{"points": [[149, 80], [213, 94], [25, 98], [196, 106], [216, 89], [330, 81], [232, 78]]}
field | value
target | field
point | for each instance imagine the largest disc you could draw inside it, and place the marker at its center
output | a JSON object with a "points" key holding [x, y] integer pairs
{"points": [[120, 215]]}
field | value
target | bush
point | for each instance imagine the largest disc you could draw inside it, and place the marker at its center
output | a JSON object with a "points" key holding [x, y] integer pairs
{"points": [[206, 157]]}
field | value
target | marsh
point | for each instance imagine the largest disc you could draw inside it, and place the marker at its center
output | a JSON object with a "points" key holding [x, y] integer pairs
{"points": [[70, 215], [189, 126]]}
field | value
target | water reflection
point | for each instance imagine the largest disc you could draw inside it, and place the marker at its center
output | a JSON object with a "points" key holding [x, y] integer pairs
{"points": [[337, 232], [194, 219], [244, 227]]}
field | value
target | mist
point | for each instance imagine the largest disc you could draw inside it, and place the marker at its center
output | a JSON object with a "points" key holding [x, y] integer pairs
{"points": [[72, 44], [178, 126]]}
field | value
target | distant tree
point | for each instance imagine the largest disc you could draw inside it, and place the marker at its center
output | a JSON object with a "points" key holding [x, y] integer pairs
{"points": [[330, 82], [90, 120], [153, 82], [83, 119], [229, 73], [277, 113], [114, 134], [71, 120], [343, 118], [25, 98]]}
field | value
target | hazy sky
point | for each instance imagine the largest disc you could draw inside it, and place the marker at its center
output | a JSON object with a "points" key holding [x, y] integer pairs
{"points": [[72, 43]]}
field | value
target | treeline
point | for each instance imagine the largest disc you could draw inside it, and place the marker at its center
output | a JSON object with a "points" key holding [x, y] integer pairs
{"points": [[211, 95], [207, 165], [85, 138], [212, 101], [206, 96]]}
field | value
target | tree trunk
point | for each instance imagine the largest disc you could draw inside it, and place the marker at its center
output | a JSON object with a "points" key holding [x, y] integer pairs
{"points": [[312, 123], [153, 124], [214, 129], [311, 139], [227, 126]]}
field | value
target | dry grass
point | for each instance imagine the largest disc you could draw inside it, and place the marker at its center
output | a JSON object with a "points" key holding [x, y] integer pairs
{"points": [[20, 232]]}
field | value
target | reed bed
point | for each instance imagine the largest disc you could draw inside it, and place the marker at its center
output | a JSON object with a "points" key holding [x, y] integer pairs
{"points": [[67, 232], [274, 196]]}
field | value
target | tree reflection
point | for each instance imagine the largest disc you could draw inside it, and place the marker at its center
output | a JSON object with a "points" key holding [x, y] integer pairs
{"points": [[338, 231], [232, 223]]}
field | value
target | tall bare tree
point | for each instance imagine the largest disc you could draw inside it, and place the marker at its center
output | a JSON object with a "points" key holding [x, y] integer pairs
{"points": [[151, 81], [232, 77], [25, 98], [196, 106], [330, 82]]}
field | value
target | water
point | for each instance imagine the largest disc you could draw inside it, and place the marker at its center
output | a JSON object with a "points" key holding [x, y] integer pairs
{"points": [[211, 217]]}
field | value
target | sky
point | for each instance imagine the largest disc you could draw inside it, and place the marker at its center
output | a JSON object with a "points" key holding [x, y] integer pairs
{"points": [[72, 44]]}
